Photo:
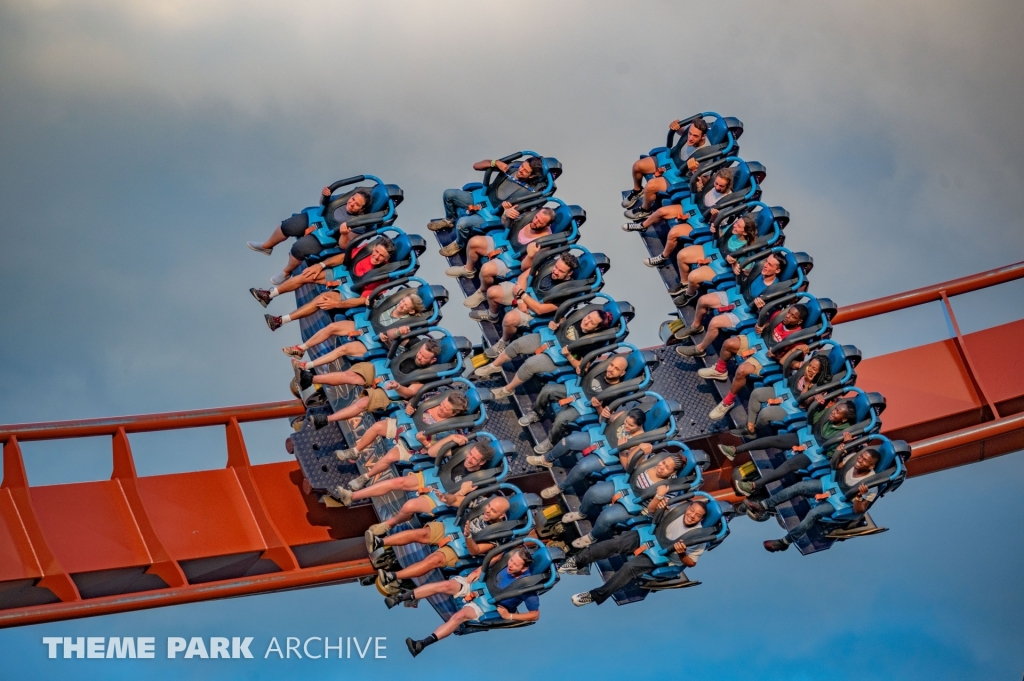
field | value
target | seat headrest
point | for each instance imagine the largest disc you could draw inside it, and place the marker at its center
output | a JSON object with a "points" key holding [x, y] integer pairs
{"points": [[541, 560], [426, 294], [379, 198], [886, 453], [612, 306], [852, 354], [395, 193], [835, 355], [586, 268], [517, 507], [473, 397], [763, 220], [740, 176], [658, 413], [448, 349], [563, 219], [402, 247], [552, 167], [862, 405], [717, 131], [714, 512], [635, 363]]}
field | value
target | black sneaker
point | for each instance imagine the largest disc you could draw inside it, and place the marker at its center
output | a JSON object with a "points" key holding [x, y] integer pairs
{"points": [[655, 260], [631, 198], [689, 351], [415, 647], [319, 420], [305, 379], [400, 597], [680, 289], [373, 542], [684, 299], [637, 214], [385, 577], [688, 331], [633, 227], [757, 507], [773, 545], [273, 322], [261, 295]]}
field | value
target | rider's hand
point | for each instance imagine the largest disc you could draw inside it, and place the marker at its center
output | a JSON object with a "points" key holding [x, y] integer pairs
{"points": [[501, 165], [674, 125], [326, 191]]}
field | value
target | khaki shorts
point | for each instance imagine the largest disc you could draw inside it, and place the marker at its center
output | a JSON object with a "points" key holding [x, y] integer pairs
{"points": [[366, 371], [752, 361], [437, 534], [378, 399]]}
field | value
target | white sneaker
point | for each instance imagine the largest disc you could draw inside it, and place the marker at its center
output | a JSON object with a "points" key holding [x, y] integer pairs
{"points": [[550, 492], [460, 272], [493, 351], [573, 517], [583, 542], [713, 373], [255, 245], [568, 567], [501, 393], [475, 299], [487, 370], [582, 599], [344, 495], [538, 461], [358, 483], [346, 454], [720, 411], [279, 279]]}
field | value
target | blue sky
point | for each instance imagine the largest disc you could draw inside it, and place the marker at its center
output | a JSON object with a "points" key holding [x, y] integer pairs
{"points": [[142, 144]]}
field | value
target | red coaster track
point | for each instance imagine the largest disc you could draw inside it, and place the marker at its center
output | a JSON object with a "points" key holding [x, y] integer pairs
{"points": [[93, 548]]}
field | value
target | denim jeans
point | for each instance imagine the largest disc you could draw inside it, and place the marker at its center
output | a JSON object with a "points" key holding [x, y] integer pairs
{"points": [[807, 489], [467, 224], [574, 442], [455, 199], [600, 495], [587, 466]]}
